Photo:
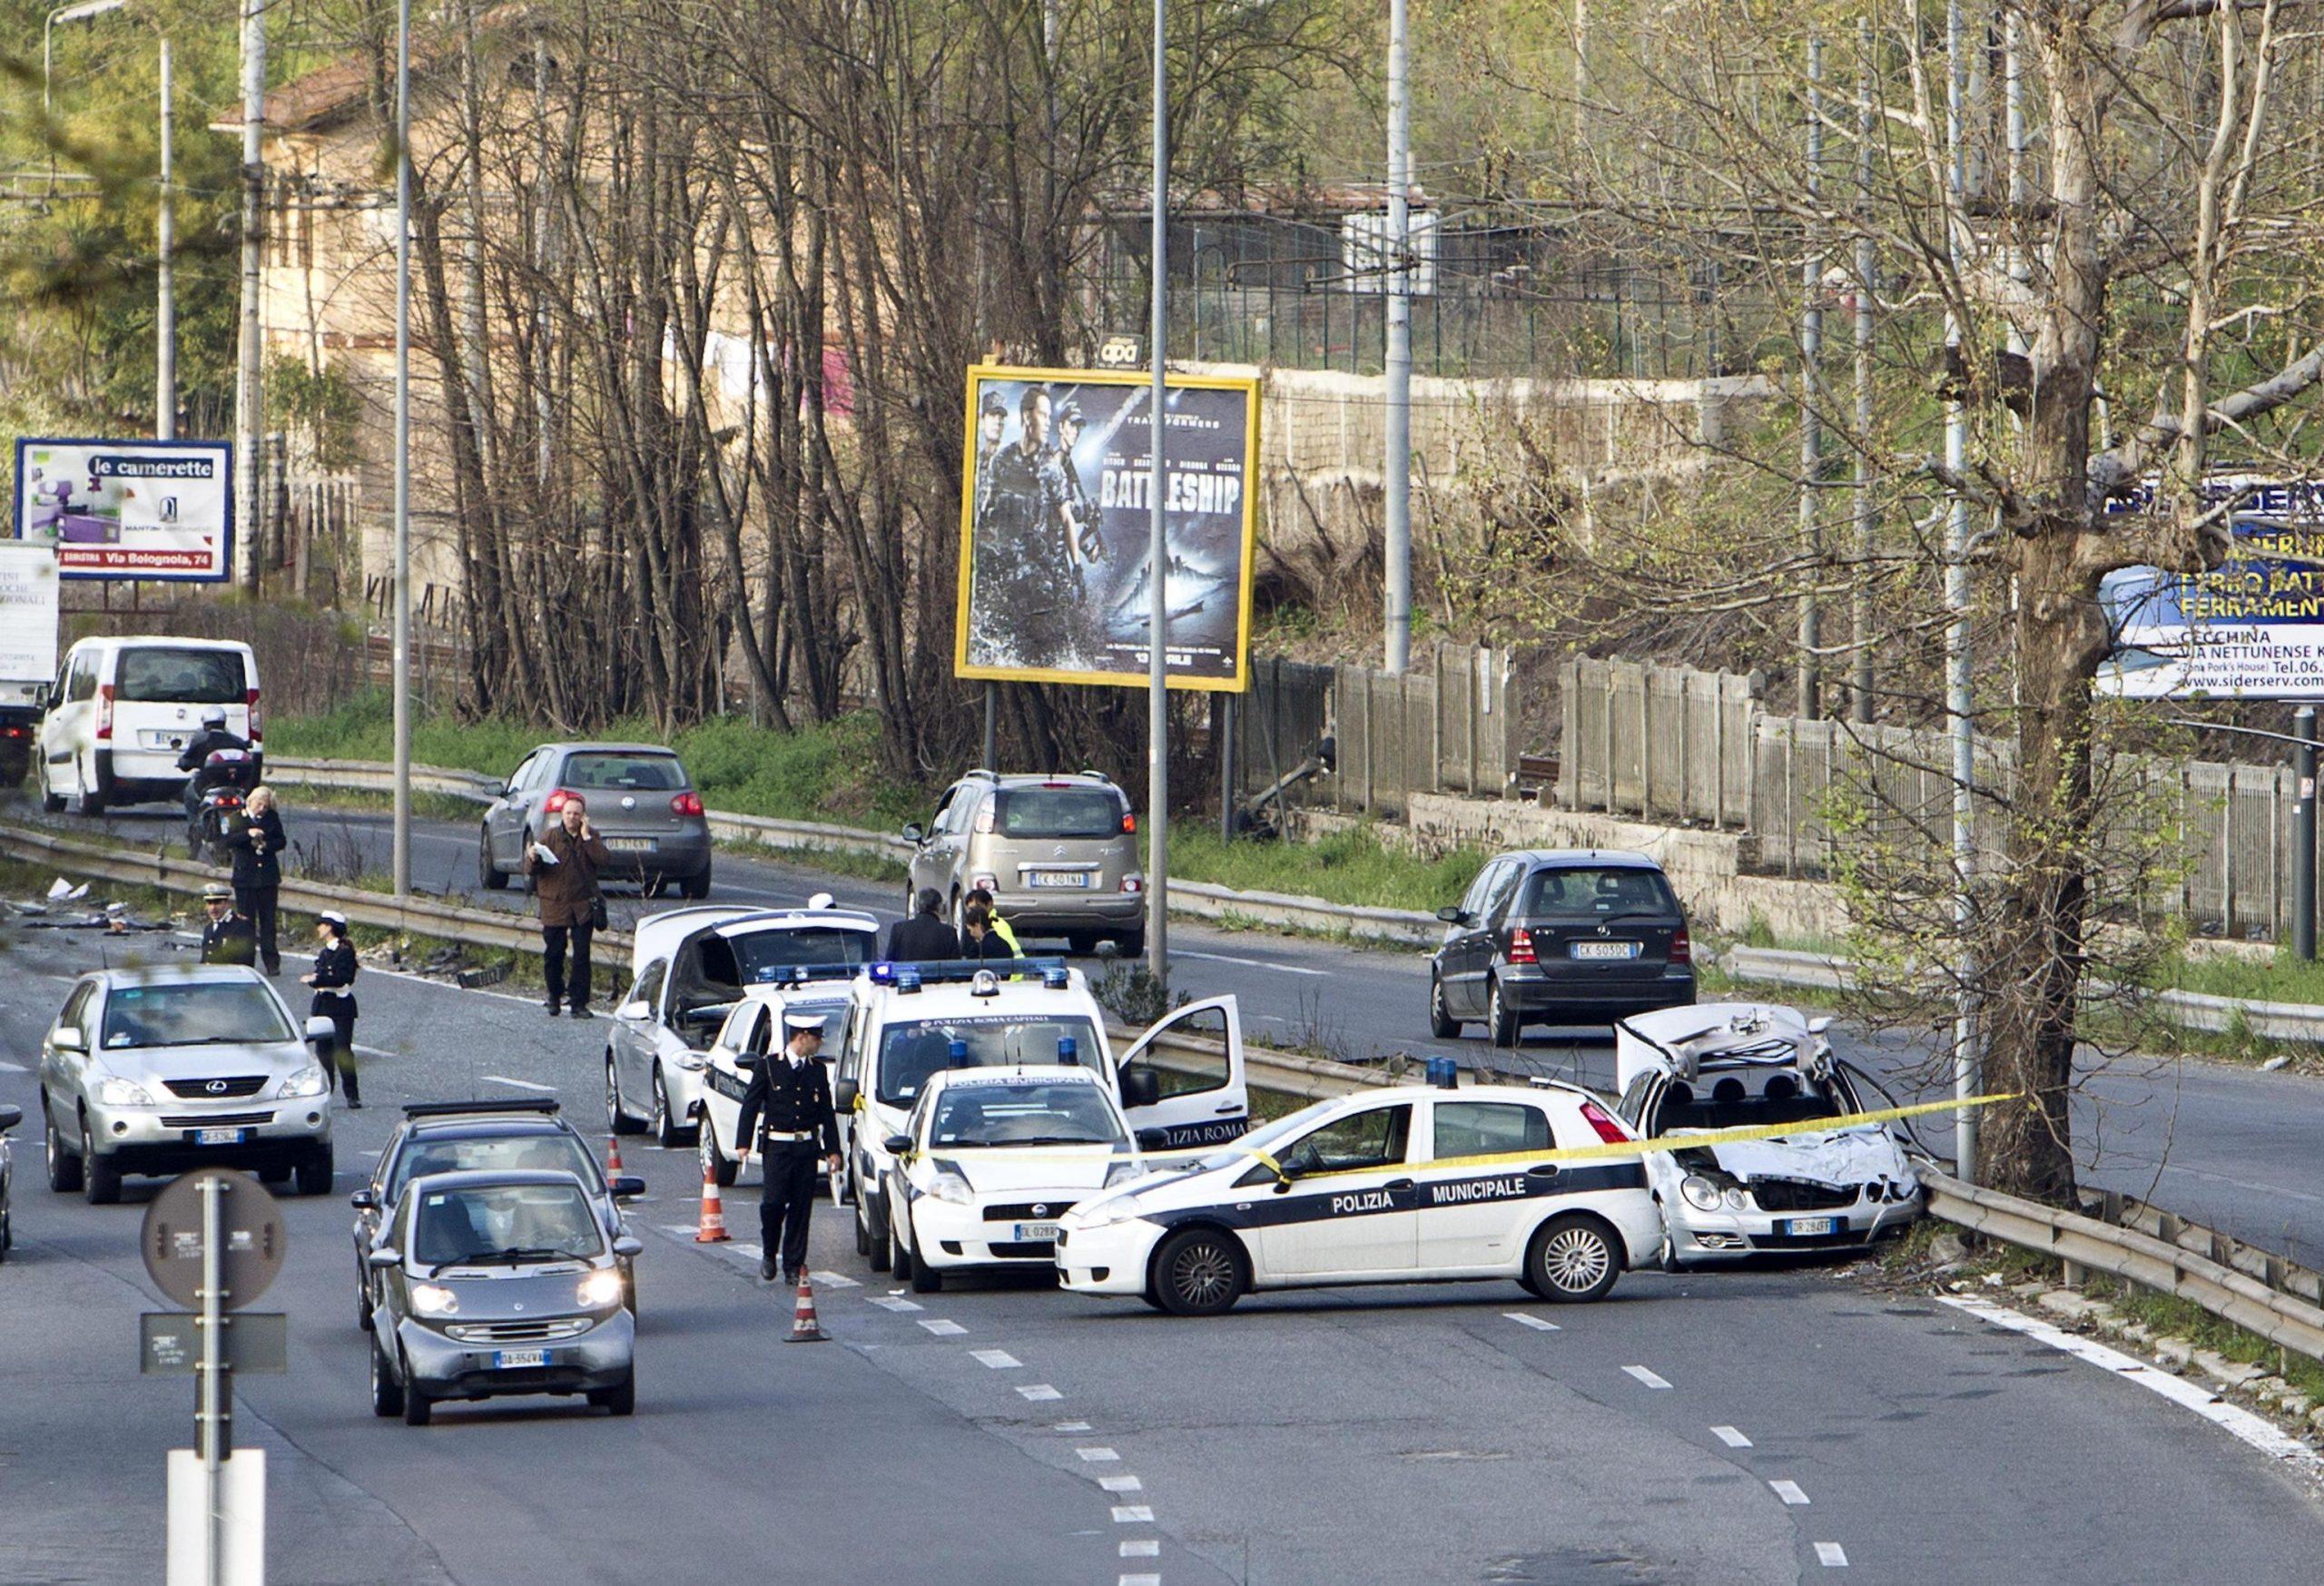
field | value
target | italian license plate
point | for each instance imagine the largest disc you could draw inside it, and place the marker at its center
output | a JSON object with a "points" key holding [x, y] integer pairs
{"points": [[220, 1137], [1059, 878], [1035, 1233], [505, 1358], [1615, 949], [153, 739], [630, 844], [1809, 1226]]}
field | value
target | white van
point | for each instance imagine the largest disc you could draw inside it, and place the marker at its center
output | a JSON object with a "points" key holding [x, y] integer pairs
{"points": [[123, 709]]}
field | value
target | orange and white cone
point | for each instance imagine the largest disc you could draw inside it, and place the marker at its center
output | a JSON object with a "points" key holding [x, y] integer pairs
{"points": [[714, 1213], [804, 1327], [613, 1154]]}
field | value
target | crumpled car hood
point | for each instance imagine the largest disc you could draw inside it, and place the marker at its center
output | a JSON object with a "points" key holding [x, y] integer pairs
{"points": [[1847, 1157]]}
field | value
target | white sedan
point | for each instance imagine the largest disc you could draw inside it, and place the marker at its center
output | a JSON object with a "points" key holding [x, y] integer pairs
{"points": [[990, 1159], [1380, 1187]]}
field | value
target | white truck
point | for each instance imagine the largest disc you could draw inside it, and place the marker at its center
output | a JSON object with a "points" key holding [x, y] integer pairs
{"points": [[28, 626]]}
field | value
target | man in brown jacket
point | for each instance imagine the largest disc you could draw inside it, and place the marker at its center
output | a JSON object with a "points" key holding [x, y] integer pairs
{"points": [[563, 865]]}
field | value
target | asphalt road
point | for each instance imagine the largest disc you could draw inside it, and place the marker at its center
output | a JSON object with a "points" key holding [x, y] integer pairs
{"points": [[1364, 1435], [2223, 1145]]}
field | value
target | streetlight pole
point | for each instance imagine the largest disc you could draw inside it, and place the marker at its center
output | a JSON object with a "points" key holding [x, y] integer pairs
{"points": [[1969, 1066], [165, 308], [1158, 563], [401, 864], [80, 13], [249, 417], [1396, 476]]}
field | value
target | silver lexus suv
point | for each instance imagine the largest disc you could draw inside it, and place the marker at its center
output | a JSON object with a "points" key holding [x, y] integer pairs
{"points": [[1060, 854], [159, 1070]]}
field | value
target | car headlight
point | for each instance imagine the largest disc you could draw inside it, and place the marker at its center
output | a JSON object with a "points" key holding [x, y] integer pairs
{"points": [[692, 1062], [1106, 1214], [1700, 1192], [1123, 1172], [113, 1092], [434, 1300], [600, 1289], [1737, 1201], [310, 1080], [951, 1188]]}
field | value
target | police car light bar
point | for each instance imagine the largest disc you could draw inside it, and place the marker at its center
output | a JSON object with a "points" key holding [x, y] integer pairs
{"points": [[1053, 971], [800, 974]]}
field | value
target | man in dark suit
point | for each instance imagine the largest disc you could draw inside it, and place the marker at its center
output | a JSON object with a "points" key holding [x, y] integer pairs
{"points": [[925, 938], [227, 938], [787, 1110]]}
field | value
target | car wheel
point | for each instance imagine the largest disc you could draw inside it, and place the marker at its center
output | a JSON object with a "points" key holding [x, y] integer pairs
{"points": [[488, 876], [696, 887], [315, 1173], [1572, 1259], [1200, 1272], [7, 1234], [362, 1302], [863, 1234], [880, 1256], [900, 1256], [417, 1406], [272, 1176], [1081, 943], [1132, 946], [959, 912], [64, 1167], [387, 1394], [1441, 1024], [616, 1119], [100, 1179], [91, 803], [1501, 1019], [925, 1279], [50, 802], [666, 1130], [621, 1399], [719, 1167]]}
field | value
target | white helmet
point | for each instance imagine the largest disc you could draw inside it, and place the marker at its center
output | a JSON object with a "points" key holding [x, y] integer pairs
{"points": [[215, 716]]}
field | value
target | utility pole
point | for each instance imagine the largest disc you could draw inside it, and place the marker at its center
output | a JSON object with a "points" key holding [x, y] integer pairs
{"points": [[249, 415], [2303, 918], [1969, 1066], [1866, 287], [165, 308], [1158, 566], [1811, 422], [1396, 475], [400, 866]]}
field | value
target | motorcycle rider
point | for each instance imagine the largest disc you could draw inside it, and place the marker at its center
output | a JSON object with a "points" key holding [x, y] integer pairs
{"points": [[212, 738]]}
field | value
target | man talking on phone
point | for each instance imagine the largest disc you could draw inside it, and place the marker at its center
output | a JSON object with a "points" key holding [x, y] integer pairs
{"points": [[563, 865]]}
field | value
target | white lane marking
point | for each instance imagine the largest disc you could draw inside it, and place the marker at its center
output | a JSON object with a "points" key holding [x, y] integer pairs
{"points": [[1071, 1426], [1098, 1456], [1729, 1436], [1121, 1483], [2235, 1422], [895, 1303], [943, 1329], [363, 1051], [1133, 1514], [1789, 1493], [519, 1084], [1137, 1580], [14, 1068], [366, 1153], [1142, 1547], [1536, 1323], [1646, 1376], [833, 1279], [996, 1359], [1831, 1555], [1039, 1392], [1251, 964]]}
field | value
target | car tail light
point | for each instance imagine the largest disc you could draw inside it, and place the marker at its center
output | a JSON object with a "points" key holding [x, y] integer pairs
{"points": [[556, 801], [258, 721], [1682, 946], [230, 801], [1600, 1120], [989, 882], [104, 710], [1520, 946], [984, 821], [1130, 822], [686, 804], [1131, 883], [15, 732]]}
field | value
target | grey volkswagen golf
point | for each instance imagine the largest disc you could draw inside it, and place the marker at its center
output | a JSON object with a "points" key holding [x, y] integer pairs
{"points": [[640, 800]]}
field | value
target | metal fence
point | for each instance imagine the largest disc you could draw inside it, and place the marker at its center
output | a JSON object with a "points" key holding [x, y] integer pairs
{"points": [[1448, 724], [1678, 746]]}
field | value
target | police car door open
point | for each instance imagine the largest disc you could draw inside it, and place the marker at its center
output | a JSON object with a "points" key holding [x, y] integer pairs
{"points": [[1192, 1064]]}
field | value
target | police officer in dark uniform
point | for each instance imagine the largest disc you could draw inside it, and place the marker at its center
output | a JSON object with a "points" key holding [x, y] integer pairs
{"points": [[788, 1106], [227, 938], [334, 983]]}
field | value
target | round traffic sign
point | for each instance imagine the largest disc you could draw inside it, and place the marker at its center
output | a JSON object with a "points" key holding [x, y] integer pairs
{"points": [[251, 1245]]}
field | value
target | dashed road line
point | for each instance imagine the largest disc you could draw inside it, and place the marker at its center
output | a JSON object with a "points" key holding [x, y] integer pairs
{"points": [[943, 1329], [1071, 1426], [1121, 1483], [1137, 1580], [1098, 1456], [833, 1280], [895, 1303], [1252, 963], [1789, 1493], [1646, 1376], [1133, 1514], [1729, 1436], [1141, 1547], [996, 1359], [1536, 1323], [1038, 1392], [1831, 1555], [14, 1068], [519, 1084]]}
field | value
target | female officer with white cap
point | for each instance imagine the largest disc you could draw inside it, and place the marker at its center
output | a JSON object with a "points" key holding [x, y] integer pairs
{"points": [[789, 1102], [334, 999]]}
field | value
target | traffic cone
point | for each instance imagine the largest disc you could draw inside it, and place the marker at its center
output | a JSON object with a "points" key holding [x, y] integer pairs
{"points": [[804, 1329], [613, 1154], [714, 1213]]}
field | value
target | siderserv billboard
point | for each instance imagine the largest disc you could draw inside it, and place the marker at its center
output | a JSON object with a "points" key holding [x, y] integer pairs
{"points": [[2251, 628], [158, 510], [1055, 533]]}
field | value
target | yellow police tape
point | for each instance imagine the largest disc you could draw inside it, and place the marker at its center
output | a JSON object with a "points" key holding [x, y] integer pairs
{"points": [[1605, 1151]]}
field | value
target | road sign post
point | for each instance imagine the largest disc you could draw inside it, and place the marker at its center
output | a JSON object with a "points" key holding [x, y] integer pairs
{"points": [[2303, 859]]}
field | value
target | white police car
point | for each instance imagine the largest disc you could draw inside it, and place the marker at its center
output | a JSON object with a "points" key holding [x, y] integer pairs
{"points": [[990, 1159], [1376, 1188]]}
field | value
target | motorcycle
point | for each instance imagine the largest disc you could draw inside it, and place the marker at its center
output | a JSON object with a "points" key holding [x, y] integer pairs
{"points": [[225, 779]]}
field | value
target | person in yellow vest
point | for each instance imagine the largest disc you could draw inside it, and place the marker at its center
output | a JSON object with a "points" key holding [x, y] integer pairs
{"points": [[999, 926]]}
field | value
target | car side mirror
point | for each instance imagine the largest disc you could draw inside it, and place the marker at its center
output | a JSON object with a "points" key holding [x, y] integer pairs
{"points": [[320, 1031], [363, 1200], [1819, 1024], [1451, 914], [67, 1037], [629, 1246], [896, 1145], [638, 1009], [1141, 1087], [748, 1062], [843, 1094], [914, 833], [10, 1117], [626, 1186], [384, 1258]]}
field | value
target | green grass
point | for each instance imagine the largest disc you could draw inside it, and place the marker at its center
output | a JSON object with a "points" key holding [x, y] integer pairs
{"points": [[1351, 866], [2283, 978]]}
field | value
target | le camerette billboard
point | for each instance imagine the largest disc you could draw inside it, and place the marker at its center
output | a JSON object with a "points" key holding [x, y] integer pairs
{"points": [[1056, 531], [160, 511], [2251, 628]]}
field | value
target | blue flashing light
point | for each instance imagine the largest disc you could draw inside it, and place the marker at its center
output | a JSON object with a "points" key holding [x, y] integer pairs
{"points": [[907, 980], [1054, 977], [956, 1056], [1068, 1052]]}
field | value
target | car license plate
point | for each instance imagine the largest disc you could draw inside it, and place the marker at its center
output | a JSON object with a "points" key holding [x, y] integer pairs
{"points": [[220, 1137], [1605, 949], [1809, 1225], [1058, 878], [630, 844], [152, 738], [504, 1358], [1037, 1233]]}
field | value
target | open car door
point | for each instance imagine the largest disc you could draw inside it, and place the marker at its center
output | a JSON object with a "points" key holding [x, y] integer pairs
{"points": [[1187, 1074]]}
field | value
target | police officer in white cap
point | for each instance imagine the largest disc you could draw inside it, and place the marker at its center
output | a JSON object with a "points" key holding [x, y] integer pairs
{"points": [[787, 1109], [334, 983]]}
